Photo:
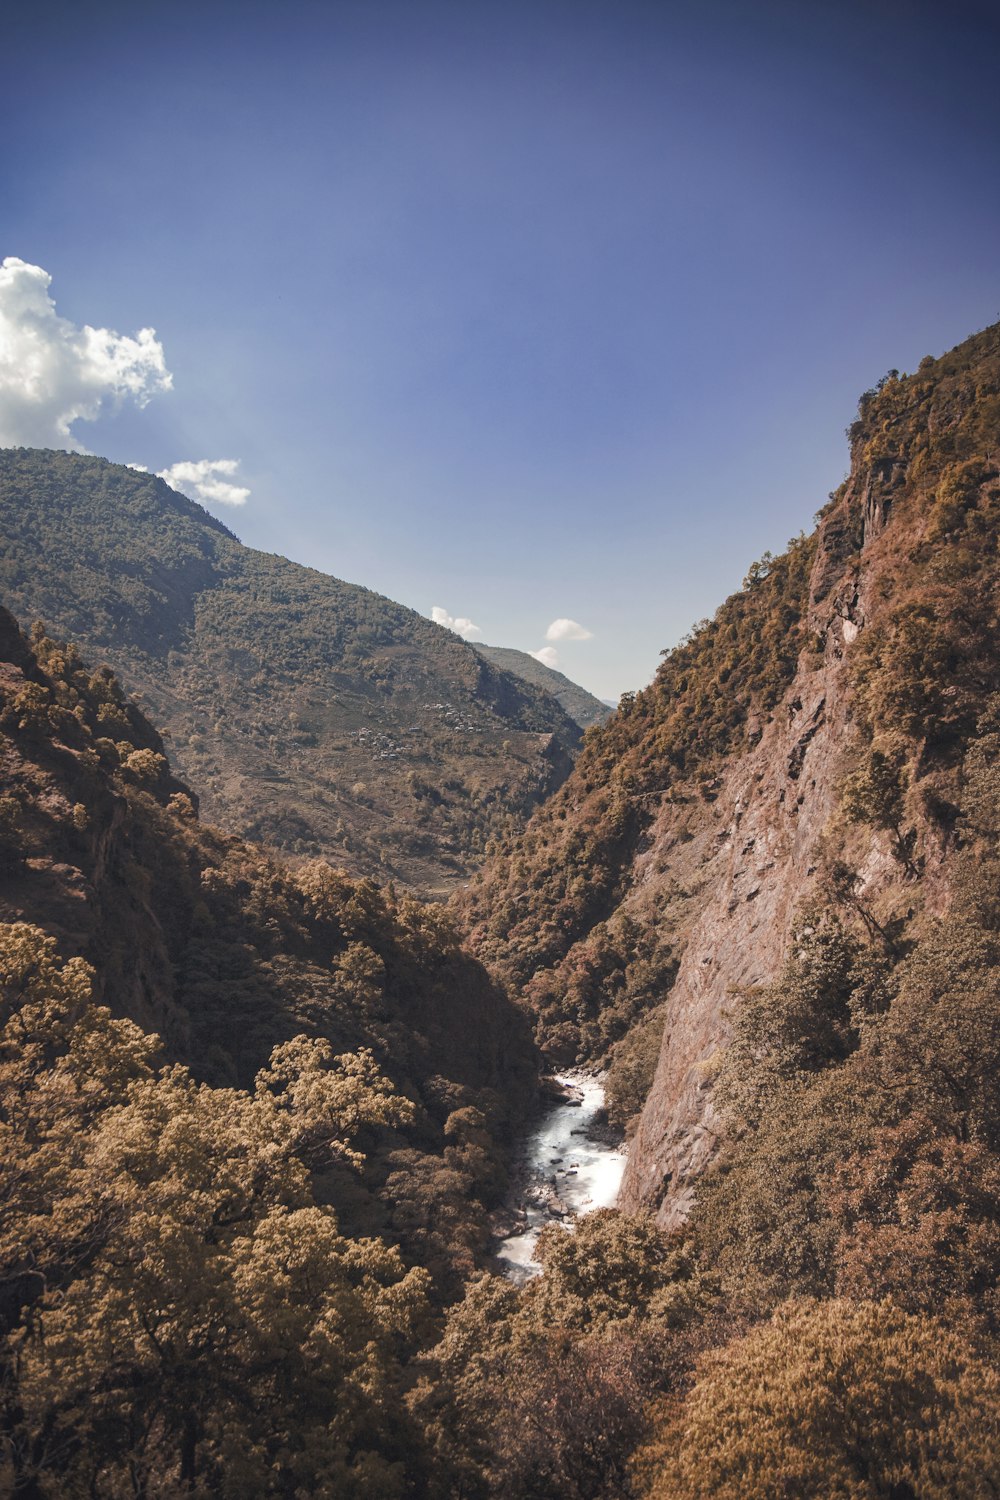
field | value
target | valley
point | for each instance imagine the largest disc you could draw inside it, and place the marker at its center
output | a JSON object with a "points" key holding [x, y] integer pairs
{"points": [[294, 1206]]}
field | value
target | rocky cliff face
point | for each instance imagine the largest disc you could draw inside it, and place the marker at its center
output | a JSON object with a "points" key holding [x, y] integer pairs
{"points": [[804, 749], [772, 809], [901, 602], [589, 911]]}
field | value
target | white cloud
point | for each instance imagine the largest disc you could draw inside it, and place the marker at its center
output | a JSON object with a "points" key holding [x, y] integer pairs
{"points": [[567, 630], [548, 656], [53, 373], [201, 481], [461, 626]]}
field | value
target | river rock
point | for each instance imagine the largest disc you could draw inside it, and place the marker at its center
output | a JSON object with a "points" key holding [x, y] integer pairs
{"points": [[552, 1185]]}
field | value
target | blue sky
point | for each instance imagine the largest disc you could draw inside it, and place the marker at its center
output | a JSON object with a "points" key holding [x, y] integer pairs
{"points": [[525, 311]]}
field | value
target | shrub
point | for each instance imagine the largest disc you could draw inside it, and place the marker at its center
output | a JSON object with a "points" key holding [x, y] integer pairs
{"points": [[858, 1401]]}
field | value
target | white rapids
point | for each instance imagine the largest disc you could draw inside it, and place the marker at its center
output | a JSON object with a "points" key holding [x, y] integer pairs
{"points": [[564, 1174]]}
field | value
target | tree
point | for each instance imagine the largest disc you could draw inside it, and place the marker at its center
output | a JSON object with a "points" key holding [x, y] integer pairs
{"points": [[179, 1315], [919, 1218], [542, 1393], [810, 1020], [940, 1042], [873, 794], [860, 1401], [615, 1272]]}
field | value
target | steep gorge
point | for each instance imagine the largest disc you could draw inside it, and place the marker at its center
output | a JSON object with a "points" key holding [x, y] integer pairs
{"points": [[802, 752], [766, 861], [753, 858]]}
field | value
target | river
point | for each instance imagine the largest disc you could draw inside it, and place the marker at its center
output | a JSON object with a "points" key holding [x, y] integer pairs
{"points": [[565, 1171]]}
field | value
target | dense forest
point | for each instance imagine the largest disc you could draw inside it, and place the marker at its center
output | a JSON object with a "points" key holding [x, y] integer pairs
{"points": [[380, 738], [255, 1116]]}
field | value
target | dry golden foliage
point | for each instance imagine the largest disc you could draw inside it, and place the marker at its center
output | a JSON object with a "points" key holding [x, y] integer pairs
{"points": [[848, 1401]]}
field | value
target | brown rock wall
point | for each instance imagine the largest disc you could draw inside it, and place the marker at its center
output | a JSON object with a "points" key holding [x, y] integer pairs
{"points": [[771, 809]]}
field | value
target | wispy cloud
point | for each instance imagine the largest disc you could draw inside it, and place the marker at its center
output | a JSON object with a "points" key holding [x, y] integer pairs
{"points": [[203, 480], [53, 373], [548, 656], [460, 625], [567, 630]]}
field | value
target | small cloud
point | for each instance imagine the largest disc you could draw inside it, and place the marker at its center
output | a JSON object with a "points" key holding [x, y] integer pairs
{"points": [[567, 630], [460, 625], [53, 373], [548, 656], [201, 481]]}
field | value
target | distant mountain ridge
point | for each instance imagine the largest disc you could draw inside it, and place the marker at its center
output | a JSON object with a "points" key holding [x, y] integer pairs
{"points": [[578, 703], [307, 712]]}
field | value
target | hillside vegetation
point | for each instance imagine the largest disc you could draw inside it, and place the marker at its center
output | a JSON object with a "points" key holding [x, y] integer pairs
{"points": [[768, 895], [312, 714], [588, 911], [581, 706], [248, 1258], [550, 912], [225, 953]]}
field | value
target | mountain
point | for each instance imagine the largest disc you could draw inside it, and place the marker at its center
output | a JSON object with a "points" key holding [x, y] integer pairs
{"points": [[236, 1261], [813, 761], [310, 713], [578, 703], [217, 947], [252, 1123]]}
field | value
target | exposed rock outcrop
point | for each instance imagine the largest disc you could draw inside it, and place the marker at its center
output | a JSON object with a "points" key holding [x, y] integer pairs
{"points": [[901, 648], [805, 748], [772, 807]]}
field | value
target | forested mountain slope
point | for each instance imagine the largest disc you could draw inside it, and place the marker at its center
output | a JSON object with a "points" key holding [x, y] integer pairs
{"points": [[225, 953], [805, 758], [250, 1121], [578, 703], [311, 713]]}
